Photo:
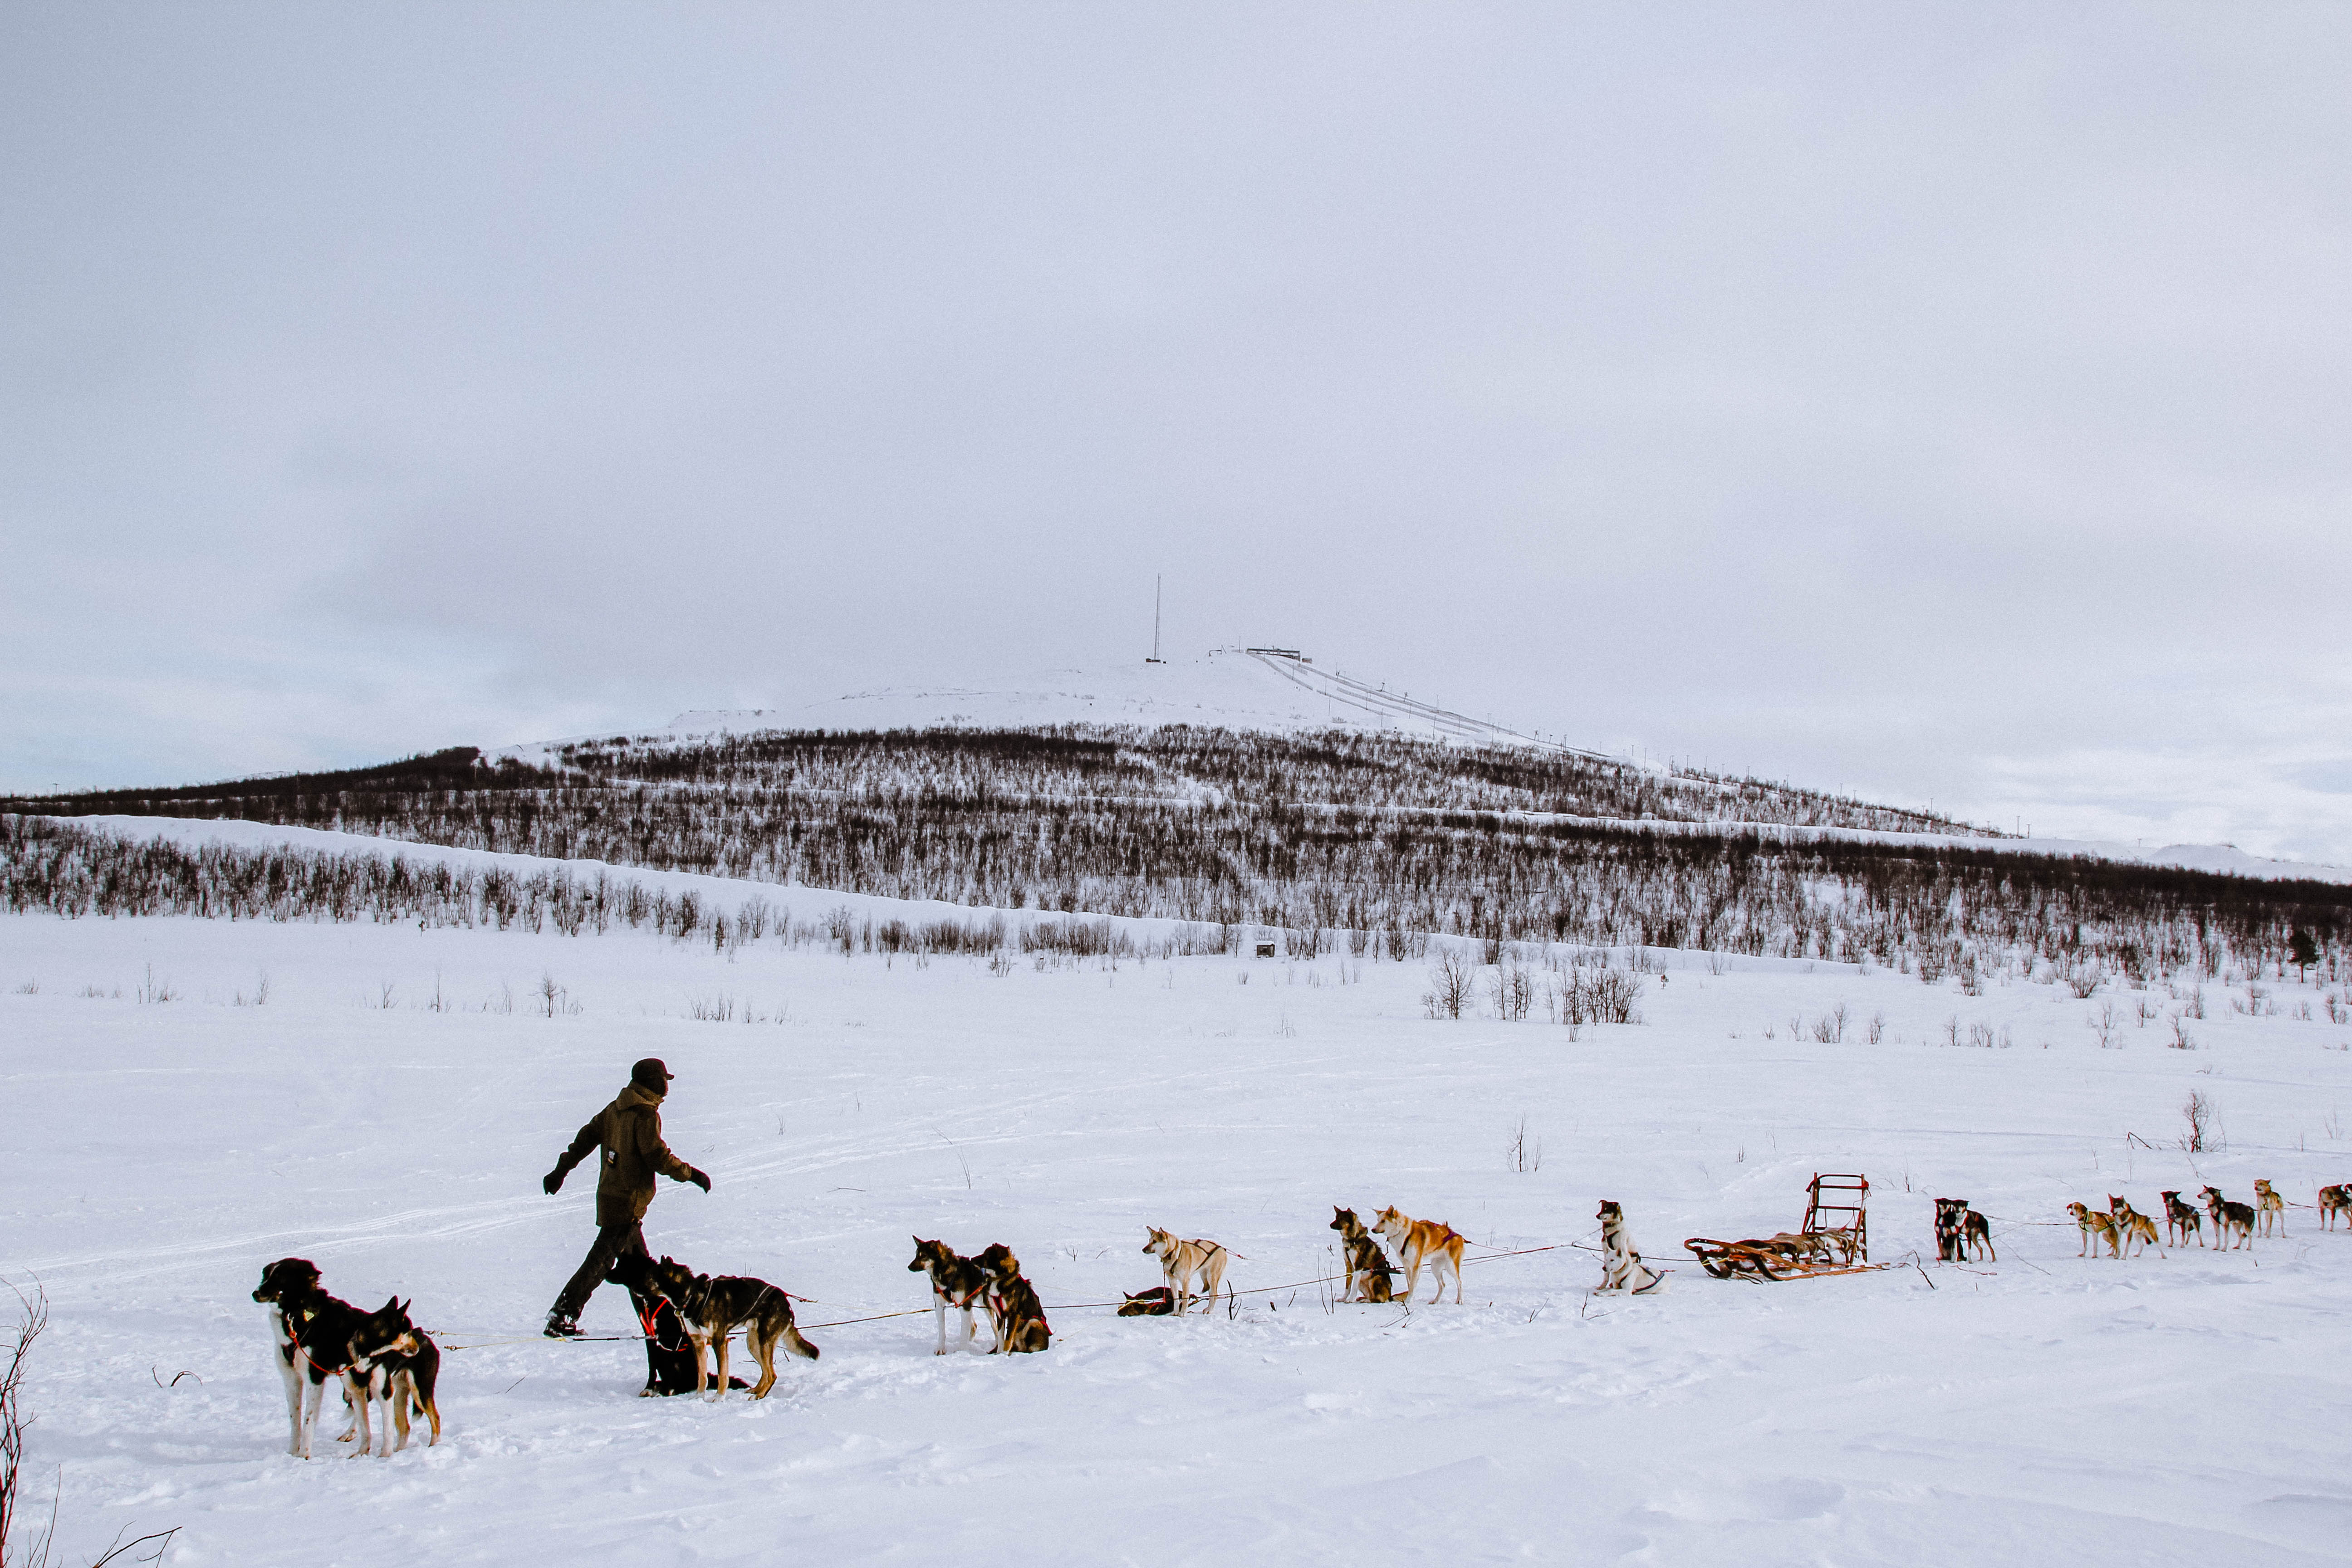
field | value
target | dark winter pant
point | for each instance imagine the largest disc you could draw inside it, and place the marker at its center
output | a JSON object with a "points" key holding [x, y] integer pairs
{"points": [[612, 1241]]}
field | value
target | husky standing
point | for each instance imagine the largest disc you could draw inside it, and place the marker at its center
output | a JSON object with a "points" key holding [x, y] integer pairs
{"points": [[1622, 1269]]}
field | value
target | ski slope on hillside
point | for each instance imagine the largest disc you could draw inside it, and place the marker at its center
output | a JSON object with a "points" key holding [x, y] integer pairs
{"points": [[389, 1110]]}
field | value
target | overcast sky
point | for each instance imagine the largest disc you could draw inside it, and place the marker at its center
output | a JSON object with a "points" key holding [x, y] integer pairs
{"points": [[1944, 404]]}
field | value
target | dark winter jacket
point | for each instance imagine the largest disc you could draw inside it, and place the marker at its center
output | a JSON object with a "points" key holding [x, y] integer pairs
{"points": [[628, 1131]]}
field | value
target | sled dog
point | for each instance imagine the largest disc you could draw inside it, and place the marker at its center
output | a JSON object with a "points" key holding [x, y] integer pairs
{"points": [[1013, 1308], [955, 1282], [2097, 1226], [1419, 1241], [2269, 1203], [1978, 1234], [2229, 1219], [394, 1364], [2334, 1200], [1622, 1269], [2131, 1224], [1184, 1261], [670, 1356], [1368, 1269], [314, 1334], [1157, 1302], [713, 1308], [2180, 1220], [1950, 1217]]}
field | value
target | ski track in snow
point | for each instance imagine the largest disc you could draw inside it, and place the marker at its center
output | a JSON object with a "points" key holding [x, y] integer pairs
{"points": [[2183, 1408]]}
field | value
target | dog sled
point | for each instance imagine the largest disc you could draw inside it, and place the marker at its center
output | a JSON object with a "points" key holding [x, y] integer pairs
{"points": [[1833, 1239]]}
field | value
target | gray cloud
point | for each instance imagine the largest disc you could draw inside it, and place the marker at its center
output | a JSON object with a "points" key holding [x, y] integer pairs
{"points": [[1943, 404]]}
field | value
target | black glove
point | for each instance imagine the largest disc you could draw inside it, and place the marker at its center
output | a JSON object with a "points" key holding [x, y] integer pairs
{"points": [[698, 1178], [551, 1181]]}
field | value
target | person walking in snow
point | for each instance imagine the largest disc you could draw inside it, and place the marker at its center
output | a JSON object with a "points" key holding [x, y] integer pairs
{"points": [[628, 1133]]}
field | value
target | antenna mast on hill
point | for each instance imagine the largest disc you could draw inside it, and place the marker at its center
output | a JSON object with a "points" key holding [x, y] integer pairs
{"points": [[1155, 657]]}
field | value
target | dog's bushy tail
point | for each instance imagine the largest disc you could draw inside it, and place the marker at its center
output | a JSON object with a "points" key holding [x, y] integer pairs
{"points": [[797, 1345]]}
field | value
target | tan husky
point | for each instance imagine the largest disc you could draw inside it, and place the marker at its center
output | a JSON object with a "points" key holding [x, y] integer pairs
{"points": [[1419, 1241], [2094, 1224], [2131, 1224], [2268, 1203], [2334, 1200], [1182, 1261]]}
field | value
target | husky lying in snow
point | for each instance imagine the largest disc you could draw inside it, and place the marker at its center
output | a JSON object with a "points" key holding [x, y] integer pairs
{"points": [[1622, 1269], [1183, 1261], [712, 1308], [1157, 1302], [956, 1282], [1419, 1241], [1369, 1270]]}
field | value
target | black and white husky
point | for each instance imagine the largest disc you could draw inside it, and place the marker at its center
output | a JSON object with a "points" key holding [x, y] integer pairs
{"points": [[1622, 1269], [314, 1330]]}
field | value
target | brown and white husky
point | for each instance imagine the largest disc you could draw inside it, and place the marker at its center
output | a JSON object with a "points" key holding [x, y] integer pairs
{"points": [[1419, 1241]]}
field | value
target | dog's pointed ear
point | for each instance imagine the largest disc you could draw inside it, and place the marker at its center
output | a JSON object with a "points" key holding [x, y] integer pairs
{"points": [[391, 1304]]}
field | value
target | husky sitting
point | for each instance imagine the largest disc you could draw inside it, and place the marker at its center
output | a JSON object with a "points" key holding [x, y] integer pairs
{"points": [[394, 1364], [1622, 1269], [1012, 1305], [1369, 1272]]}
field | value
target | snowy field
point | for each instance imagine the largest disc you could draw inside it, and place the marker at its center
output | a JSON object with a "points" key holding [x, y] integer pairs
{"points": [[389, 1110]]}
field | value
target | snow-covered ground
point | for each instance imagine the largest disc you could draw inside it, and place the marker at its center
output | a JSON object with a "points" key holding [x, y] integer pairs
{"points": [[389, 1111]]}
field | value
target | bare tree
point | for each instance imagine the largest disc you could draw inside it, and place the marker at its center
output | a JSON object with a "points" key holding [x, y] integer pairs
{"points": [[1450, 977], [2198, 1111]]}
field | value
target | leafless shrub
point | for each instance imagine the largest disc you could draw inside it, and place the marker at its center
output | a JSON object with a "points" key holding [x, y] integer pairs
{"points": [[154, 989], [1513, 988], [2198, 1111], [1450, 977], [1525, 1156], [1875, 1030], [2102, 1023], [2180, 1040], [2084, 980]]}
